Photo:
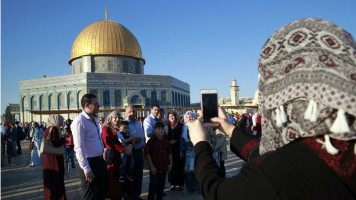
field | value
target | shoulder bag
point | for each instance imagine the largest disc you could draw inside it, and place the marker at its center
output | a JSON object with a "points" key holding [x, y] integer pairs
{"points": [[108, 155], [31, 145], [47, 146]]}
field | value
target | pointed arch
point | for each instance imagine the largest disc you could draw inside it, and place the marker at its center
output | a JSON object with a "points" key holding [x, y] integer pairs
{"points": [[106, 98], [80, 94]]}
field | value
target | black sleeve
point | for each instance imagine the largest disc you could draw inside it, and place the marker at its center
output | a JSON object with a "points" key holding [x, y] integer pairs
{"points": [[250, 183], [291, 172], [244, 145], [169, 134]]}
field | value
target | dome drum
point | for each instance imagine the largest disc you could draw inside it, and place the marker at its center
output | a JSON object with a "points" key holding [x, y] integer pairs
{"points": [[108, 64]]}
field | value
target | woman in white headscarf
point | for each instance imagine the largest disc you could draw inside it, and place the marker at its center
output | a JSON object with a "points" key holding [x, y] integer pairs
{"points": [[36, 135], [53, 165], [187, 152], [307, 81]]}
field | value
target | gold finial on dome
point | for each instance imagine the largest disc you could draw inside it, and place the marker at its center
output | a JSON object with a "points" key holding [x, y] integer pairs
{"points": [[106, 12]]}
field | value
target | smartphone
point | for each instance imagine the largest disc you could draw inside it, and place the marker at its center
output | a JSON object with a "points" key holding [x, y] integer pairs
{"points": [[209, 106]]}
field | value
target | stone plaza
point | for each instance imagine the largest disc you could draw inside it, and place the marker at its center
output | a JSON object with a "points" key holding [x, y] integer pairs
{"points": [[20, 182]]}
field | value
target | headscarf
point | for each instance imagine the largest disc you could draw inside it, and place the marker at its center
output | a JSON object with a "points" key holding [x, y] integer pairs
{"points": [[176, 121], [114, 127], [35, 130], [189, 113], [55, 120], [37, 126], [307, 81]]}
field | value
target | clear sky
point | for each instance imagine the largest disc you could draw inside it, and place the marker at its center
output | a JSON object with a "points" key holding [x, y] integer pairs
{"points": [[205, 43]]}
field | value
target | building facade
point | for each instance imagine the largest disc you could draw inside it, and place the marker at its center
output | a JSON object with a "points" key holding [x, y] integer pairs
{"points": [[106, 60]]}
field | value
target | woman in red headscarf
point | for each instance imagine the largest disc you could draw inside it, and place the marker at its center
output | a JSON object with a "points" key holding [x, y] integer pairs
{"points": [[116, 190]]}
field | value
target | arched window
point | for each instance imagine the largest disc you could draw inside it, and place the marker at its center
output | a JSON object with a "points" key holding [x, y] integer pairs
{"points": [[172, 98], [182, 100], [106, 98], [42, 102], [60, 100], [185, 100], [80, 94], [144, 94], [175, 99], [24, 104], [164, 96], [154, 96], [118, 98], [70, 100], [51, 102], [33, 103]]}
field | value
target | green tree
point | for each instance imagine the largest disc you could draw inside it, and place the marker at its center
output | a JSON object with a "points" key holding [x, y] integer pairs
{"points": [[8, 117]]}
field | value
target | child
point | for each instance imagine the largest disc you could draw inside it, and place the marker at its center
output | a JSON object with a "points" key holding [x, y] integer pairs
{"points": [[69, 148], [159, 157], [125, 138]]}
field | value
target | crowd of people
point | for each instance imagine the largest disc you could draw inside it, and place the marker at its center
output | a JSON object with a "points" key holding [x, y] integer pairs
{"points": [[161, 140], [299, 144], [13, 133]]}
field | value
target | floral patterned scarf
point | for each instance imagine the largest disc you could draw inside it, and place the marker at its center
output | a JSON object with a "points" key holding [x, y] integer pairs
{"points": [[307, 84], [108, 123]]}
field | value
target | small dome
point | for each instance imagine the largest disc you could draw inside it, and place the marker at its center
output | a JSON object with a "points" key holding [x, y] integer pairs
{"points": [[105, 37], [256, 95]]}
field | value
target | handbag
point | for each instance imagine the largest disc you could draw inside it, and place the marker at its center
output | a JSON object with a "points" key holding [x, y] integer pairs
{"points": [[47, 146], [216, 156], [108, 156], [31, 145], [189, 163]]}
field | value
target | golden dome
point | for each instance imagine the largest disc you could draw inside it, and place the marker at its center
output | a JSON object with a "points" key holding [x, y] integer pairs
{"points": [[106, 37]]}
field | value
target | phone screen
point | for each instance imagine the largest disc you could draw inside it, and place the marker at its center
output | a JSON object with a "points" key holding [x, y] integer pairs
{"points": [[210, 106]]}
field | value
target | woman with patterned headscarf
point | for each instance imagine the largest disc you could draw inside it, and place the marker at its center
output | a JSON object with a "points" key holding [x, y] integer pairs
{"points": [[53, 165], [307, 81], [36, 134], [109, 132], [176, 176]]}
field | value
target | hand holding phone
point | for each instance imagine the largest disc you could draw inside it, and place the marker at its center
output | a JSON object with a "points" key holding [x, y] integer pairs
{"points": [[209, 106]]}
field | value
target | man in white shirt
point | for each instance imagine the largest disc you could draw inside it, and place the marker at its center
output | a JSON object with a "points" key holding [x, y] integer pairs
{"points": [[89, 149], [137, 153], [150, 121]]}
